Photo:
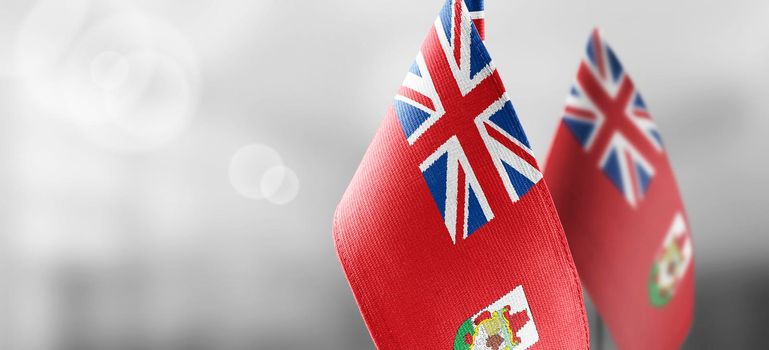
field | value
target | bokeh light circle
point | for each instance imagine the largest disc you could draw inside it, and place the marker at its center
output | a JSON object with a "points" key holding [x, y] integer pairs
{"points": [[248, 167], [150, 108], [280, 185], [128, 80]]}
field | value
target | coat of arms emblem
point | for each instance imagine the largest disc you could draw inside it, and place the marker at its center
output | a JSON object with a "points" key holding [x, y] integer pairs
{"points": [[507, 324], [671, 263]]}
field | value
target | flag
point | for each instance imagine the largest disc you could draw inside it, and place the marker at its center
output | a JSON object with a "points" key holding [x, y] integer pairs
{"points": [[447, 234], [619, 203]]}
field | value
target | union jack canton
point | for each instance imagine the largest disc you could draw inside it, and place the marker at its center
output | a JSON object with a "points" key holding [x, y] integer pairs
{"points": [[608, 117], [444, 120]]}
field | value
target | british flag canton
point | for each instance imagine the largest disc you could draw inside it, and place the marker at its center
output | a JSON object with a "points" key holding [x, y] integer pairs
{"points": [[467, 109], [606, 114]]}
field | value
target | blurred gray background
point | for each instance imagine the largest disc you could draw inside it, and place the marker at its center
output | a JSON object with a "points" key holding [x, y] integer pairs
{"points": [[169, 169]]}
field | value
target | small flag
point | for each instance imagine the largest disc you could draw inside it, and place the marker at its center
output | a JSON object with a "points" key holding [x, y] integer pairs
{"points": [[446, 234], [619, 203]]}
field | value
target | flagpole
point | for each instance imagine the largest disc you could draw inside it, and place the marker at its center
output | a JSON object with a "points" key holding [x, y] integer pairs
{"points": [[599, 332], [595, 323]]}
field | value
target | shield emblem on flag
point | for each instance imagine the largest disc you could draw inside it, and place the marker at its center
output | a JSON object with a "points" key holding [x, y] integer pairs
{"points": [[507, 324], [671, 263]]}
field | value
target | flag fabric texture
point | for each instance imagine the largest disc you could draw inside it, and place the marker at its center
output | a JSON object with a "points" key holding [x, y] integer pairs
{"points": [[447, 234], [620, 206]]}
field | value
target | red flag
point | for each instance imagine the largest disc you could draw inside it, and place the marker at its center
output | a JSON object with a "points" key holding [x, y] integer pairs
{"points": [[447, 235], [619, 203]]}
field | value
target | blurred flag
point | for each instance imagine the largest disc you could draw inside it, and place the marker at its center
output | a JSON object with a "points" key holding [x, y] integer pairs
{"points": [[447, 235], [619, 203]]}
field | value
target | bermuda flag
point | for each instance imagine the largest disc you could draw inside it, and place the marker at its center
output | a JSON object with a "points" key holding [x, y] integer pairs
{"points": [[447, 234], [619, 203]]}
